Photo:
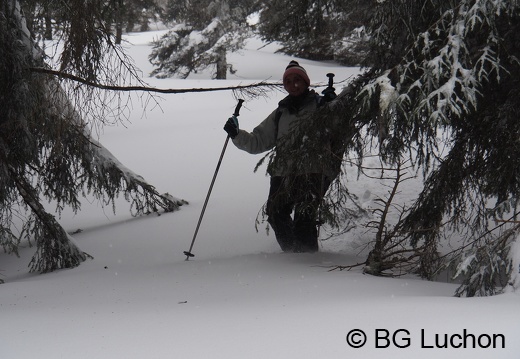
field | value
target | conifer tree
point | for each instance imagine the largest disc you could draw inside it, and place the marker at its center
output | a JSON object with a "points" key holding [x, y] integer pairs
{"points": [[444, 76], [207, 31], [47, 151], [44, 17], [317, 30]]}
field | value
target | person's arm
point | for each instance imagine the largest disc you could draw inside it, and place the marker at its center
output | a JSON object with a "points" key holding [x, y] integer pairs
{"points": [[262, 138]]}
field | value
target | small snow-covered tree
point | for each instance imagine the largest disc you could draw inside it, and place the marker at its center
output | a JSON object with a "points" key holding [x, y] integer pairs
{"points": [[47, 151], [209, 29]]}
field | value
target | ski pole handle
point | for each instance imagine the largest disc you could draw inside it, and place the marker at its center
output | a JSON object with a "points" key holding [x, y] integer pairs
{"points": [[331, 79], [237, 109]]}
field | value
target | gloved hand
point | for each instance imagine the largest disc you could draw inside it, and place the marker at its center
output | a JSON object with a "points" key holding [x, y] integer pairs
{"points": [[231, 126], [329, 94]]}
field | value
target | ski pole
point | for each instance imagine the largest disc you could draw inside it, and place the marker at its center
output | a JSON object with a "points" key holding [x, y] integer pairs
{"points": [[319, 223], [188, 253]]}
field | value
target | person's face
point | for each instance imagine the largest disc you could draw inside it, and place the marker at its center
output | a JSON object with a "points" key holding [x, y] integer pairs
{"points": [[294, 85]]}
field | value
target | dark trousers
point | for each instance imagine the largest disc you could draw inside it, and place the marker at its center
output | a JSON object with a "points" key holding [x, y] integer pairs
{"points": [[303, 195]]}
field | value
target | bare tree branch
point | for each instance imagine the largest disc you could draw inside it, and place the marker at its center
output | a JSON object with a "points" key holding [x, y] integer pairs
{"points": [[63, 75]]}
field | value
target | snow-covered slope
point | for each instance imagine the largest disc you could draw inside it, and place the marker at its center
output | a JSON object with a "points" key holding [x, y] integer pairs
{"points": [[239, 297]]}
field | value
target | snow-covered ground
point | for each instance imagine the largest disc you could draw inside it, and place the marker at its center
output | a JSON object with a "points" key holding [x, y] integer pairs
{"points": [[240, 297]]}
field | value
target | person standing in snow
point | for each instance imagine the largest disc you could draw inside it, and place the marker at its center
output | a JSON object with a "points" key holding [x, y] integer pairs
{"points": [[298, 192]]}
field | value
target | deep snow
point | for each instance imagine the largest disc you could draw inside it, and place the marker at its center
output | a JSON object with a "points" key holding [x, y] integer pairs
{"points": [[239, 297]]}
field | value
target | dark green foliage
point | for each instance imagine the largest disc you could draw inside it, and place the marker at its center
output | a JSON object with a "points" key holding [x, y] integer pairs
{"points": [[48, 18], [208, 30], [317, 30], [443, 93], [46, 151], [302, 25]]}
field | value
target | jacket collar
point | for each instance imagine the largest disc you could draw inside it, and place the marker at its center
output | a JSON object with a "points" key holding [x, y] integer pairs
{"points": [[296, 103]]}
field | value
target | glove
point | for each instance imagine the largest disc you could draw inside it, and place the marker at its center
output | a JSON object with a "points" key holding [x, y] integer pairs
{"points": [[231, 126], [329, 94]]}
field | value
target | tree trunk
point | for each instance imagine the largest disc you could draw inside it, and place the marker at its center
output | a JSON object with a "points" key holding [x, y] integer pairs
{"points": [[221, 64], [119, 21], [48, 25]]}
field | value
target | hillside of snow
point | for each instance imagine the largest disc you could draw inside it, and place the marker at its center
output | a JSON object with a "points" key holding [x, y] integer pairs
{"points": [[239, 297]]}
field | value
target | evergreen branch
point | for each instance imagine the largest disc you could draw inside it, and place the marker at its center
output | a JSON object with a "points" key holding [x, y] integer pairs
{"points": [[341, 268], [55, 249], [487, 232], [71, 77], [506, 221]]}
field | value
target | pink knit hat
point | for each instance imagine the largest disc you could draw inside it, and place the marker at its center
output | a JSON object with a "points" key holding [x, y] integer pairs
{"points": [[295, 68]]}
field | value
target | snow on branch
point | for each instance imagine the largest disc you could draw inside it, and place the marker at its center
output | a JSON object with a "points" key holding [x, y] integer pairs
{"points": [[47, 153], [442, 74]]}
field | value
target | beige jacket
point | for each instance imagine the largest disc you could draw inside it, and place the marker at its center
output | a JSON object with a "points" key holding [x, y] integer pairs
{"points": [[266, 135]]}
